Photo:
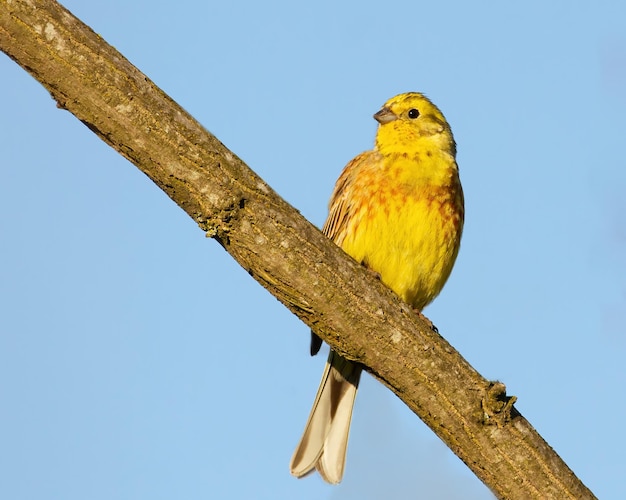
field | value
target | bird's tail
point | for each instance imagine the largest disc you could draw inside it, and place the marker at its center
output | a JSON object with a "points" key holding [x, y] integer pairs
{"points": [[324, 443]]}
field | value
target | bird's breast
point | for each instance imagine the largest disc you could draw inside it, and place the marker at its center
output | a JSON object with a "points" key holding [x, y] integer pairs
{"points": [[407, 229]]}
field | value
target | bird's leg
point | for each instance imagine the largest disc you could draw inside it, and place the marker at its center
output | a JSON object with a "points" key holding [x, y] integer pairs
{"points": [[370, 270], [427, 321]]}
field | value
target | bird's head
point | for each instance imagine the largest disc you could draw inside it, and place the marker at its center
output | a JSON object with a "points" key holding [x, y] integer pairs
{"points": [[411, 123]]}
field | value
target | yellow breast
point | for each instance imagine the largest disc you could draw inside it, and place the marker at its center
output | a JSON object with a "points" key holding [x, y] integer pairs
{"points": [[405, 219]]}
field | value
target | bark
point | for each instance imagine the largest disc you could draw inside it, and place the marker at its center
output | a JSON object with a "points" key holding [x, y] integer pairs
{"points": [[352, 311]]}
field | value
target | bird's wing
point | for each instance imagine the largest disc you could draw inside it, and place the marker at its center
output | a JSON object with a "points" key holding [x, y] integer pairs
{"points": [[340, 207]]}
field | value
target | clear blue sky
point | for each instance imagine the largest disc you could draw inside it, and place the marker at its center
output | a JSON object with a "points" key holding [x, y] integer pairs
{"points": [[138, 361]]}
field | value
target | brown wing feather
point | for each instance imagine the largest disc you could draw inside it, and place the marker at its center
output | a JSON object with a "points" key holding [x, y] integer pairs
{"points": [[340, 205], [339, 211]]}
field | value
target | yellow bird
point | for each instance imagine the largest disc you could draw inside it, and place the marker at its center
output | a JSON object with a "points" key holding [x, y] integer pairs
{"points": [[397, 209]]}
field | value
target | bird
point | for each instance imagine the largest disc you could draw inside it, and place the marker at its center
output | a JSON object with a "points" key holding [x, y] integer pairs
{"points": [[397, 209]]}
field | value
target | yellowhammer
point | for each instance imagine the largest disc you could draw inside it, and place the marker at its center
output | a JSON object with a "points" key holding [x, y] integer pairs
{"points": [[398, 209]]}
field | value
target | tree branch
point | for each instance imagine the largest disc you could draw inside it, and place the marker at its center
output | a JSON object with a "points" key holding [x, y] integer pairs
{"points": [[352, 311]]}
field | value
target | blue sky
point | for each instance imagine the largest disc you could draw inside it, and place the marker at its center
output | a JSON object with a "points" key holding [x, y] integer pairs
{"points": [[137, 360]]}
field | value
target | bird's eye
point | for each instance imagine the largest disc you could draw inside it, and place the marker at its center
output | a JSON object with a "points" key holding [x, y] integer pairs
{"points": [[413, 113]]}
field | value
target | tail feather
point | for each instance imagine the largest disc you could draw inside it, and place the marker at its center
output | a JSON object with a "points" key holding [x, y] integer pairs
{"points": [[324, 444]]}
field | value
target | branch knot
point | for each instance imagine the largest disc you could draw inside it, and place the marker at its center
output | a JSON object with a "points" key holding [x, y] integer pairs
{"points": [[496, 405]]}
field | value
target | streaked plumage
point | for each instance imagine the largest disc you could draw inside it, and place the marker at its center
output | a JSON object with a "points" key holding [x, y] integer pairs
{"points": [[397, 209]]}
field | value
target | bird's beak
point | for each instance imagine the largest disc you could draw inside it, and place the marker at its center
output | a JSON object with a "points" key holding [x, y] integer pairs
{"points": [[385, 115]]}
